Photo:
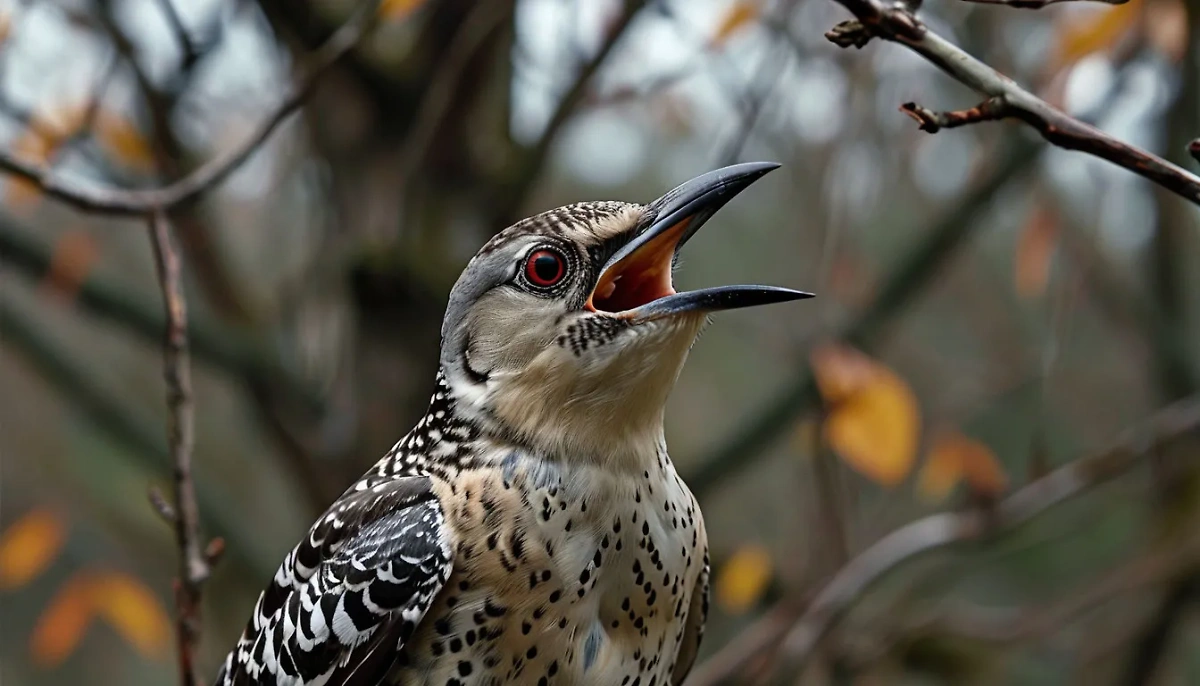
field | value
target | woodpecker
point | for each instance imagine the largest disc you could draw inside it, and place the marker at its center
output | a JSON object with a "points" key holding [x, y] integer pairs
{"points": [[531, 528]]}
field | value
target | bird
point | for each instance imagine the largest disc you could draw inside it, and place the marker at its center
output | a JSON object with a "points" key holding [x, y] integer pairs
{"points": [[531, 528]]}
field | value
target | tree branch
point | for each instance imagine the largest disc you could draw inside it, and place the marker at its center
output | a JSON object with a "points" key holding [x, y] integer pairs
{"points": [[941, 530], [1038, 4], [534, 158], [193, 563], [901, 285], [111, 201], [894, 22]]}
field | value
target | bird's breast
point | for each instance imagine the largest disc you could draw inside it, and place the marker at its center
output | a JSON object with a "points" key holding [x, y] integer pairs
{"points": [[568, 574]]}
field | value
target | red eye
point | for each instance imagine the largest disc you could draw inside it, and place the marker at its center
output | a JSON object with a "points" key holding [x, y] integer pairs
{"points": [[545, 268]]}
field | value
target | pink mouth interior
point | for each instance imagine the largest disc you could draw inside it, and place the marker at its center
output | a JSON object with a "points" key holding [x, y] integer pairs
{"points": [[640, 278]]}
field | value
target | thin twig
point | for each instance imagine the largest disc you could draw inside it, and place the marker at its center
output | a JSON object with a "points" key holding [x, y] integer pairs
{"points": [[193, 565], [941, 530], [895, 22], [1038, 4], [534, 158], [111, 201], [733, 658], [191, 52], [990, 109]]}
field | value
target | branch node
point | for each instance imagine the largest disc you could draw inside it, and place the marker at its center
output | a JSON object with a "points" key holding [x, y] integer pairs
{"points": [[159, 502], [851, 33], [932, 122], [214, 551]]}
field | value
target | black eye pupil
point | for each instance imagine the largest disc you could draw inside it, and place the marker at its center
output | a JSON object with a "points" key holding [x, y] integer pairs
{"points": [[545, 268]]}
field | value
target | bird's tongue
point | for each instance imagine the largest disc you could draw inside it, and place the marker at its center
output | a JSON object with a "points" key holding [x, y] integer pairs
{"points": [[642, 277]]}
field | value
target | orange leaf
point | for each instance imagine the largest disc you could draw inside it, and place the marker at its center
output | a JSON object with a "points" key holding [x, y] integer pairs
{"points": [[1103, 29], [5, 24], [134, 611], [955, 457], [398, 10], [1165, 24], [1035, 250], [37, 144], [743, 579], [874, 420], [28, 546], [63, 622], [739, 15], [123, 141], [72, 260]]}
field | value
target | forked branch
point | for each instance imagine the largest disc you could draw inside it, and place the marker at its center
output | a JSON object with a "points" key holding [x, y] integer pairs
{"points": [[1005, 99]]}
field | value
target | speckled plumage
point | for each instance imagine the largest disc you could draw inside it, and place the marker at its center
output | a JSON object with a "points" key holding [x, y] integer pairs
{"points": [[531, 528]]}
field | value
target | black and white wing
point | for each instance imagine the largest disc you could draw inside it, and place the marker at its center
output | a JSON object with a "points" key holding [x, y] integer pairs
{"points": [[346, 599]]}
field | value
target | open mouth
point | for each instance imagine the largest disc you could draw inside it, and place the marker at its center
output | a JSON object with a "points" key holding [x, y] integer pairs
{"points": [[641, 277], [635, 283]]}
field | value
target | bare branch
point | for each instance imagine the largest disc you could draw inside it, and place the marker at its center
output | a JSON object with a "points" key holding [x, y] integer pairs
{"points": [[119, 202], [894, 22], [534, 158], [1038, 4], [732, 659], [191, 52], [942, 530], [193, 563], [992, 108]]}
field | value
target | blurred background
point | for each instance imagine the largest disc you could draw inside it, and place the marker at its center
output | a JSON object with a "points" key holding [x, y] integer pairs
{"points": [[988, 308]]}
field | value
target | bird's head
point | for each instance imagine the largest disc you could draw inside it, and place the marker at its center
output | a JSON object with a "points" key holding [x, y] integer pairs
{"points": [[564, 332]]}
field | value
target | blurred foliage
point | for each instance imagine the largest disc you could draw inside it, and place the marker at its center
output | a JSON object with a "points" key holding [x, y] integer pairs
{"points": [[987, 310]]}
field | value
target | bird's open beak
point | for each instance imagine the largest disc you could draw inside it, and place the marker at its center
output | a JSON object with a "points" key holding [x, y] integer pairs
{"points": [[636, 281]]}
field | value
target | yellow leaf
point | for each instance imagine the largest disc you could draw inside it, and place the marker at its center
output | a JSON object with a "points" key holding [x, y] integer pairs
{"points": [[873, 421], [134, 611], [743, 580], [1035, 250], [71, 261], [28, 546], [1165, 25], [37, 144], [955, 457], [740, 14], [398, 10], [1101, 30], [63, 622], [5, 24], [123, 141]]}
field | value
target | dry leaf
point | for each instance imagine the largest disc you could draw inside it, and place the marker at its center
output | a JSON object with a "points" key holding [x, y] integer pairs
{"points": [[398, 10], [134, 611], [37, 144], [743, 580], [28, 546], [63, 622], [122, 140], [71, 261], [1100, 30], [955, 457], [739, 15], [874, 420], [1165, 25], [5, 24], [1035, 250]]}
